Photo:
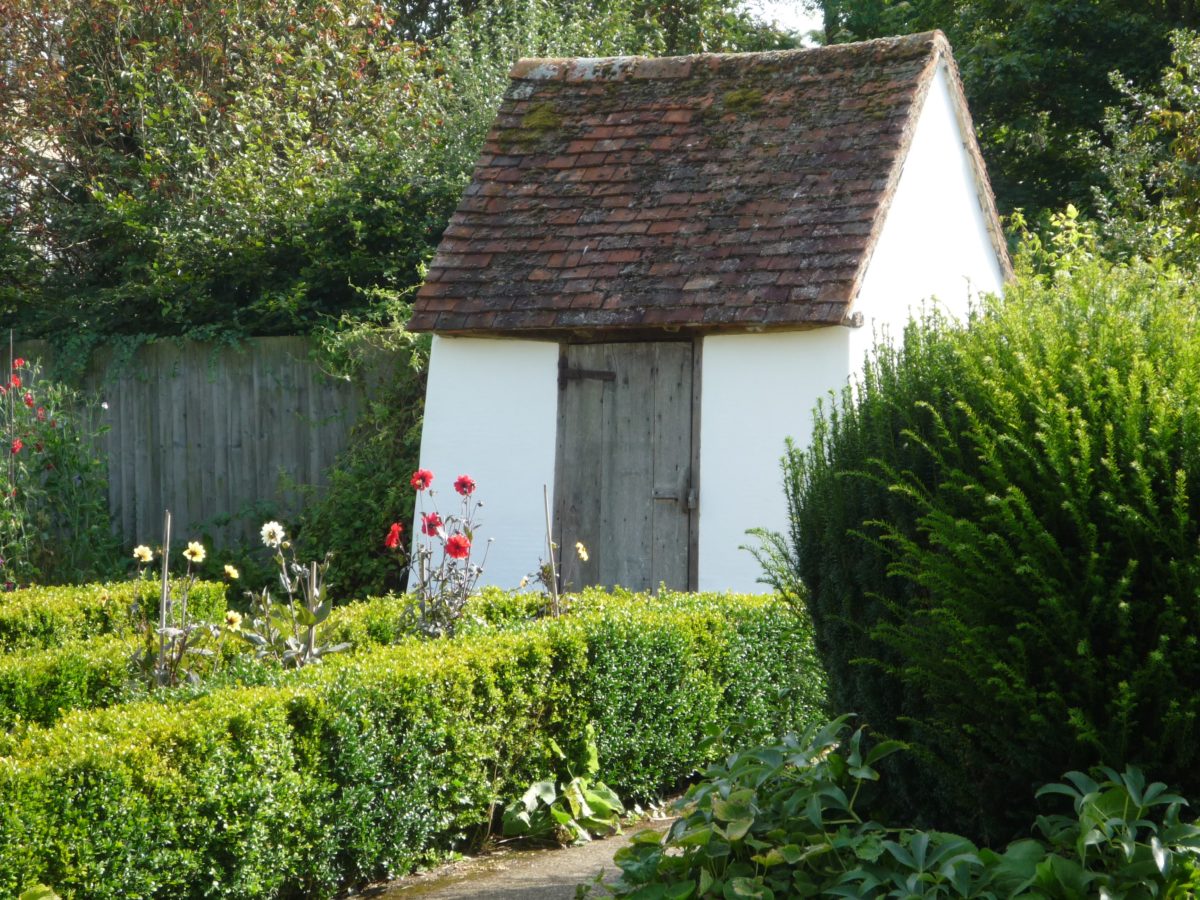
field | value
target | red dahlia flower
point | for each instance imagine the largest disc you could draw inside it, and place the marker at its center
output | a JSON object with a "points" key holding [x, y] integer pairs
{"points": [[392, 541], [457, 546], [431, 523], [15, 381], [17, 445], [421, 479], [465, 485], [29, 399], [18, 362]]}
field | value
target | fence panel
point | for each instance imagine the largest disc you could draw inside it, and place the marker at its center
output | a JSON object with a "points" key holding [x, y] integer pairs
{"points": [[215, 433]]}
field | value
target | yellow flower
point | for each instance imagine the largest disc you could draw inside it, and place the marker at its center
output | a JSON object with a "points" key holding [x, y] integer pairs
{"points": [[194, 552], [231, 573], [143, 554], [233, 620], [581, 550]]}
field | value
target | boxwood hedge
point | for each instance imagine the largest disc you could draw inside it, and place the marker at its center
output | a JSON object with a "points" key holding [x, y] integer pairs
{"points": [[374, 761], [48, 616], [38, 685]]}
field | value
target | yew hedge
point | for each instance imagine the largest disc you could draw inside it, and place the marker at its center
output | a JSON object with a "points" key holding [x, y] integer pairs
{"points": [[372, 762]]}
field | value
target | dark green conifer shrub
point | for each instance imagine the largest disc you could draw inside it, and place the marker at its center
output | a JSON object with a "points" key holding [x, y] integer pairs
{"points": [[998, 536]]}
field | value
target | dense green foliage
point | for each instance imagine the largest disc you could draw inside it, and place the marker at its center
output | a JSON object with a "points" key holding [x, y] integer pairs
{"points": [[54, 522], [371, 762], [792, 819], [368, 487], [41, 684], [1149, 203], [48, 616], [1036, 74], [192, 168], [999, 535]]}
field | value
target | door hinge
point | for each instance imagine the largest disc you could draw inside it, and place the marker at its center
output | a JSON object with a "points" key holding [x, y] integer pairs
{"points": [[566, 373], [679, 495]]}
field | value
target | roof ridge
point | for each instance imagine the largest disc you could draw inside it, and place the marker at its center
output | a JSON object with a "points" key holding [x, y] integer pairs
{"points": [[620, 68]]}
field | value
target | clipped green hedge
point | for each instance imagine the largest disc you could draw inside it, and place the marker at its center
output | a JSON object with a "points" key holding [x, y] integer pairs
{"points": [[366, 765], [37, 685], [49, 616]]}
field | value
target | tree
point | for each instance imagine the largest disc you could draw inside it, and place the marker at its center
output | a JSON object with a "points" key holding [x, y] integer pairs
{"points": [[1149, 203], [189, 167]]}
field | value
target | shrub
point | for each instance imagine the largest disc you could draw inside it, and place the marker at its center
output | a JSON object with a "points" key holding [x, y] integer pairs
{"points": [[46, 616], [54, 522], [40, 684], [999, 534], [368, 484], [792, 819], [371, 762]]}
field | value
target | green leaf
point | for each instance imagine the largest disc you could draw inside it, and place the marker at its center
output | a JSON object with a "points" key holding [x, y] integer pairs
{"points": [[753, 888]]}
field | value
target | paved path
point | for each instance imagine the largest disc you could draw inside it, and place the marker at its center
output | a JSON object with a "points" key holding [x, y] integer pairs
{"points": [[518, 874]]}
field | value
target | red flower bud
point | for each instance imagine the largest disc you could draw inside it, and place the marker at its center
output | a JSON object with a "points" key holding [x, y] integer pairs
{"points": [[29, 399], [392, 541]]}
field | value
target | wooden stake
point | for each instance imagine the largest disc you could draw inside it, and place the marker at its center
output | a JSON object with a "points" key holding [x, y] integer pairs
{"points": [[550, 552], [164, 598]]}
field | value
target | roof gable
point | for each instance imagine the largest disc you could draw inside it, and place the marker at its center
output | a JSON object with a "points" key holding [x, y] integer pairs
{"points": [[710, 191]]}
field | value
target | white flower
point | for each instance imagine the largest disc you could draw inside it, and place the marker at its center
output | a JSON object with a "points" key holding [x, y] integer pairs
{"points": [[524, 581], [231, 573], [143, 554], [581, 550], [233, 620], [272, 534], [194, 552]]}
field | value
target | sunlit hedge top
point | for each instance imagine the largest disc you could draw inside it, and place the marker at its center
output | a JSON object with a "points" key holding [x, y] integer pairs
{"points": [[47, 616]]}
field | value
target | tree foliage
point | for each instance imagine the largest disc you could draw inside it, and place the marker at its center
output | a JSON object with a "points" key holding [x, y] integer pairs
{"points": [[1149, 203], [196, 167], [1036, 73]]}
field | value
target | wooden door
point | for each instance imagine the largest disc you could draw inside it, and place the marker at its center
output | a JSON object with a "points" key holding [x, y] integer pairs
{"points": [[623, 480]]}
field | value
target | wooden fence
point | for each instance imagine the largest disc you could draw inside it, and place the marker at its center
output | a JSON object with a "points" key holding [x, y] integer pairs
{"points": [[220, 436]]}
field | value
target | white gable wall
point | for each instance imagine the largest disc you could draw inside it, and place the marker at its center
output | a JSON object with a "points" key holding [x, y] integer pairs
{"points": [[491, 412], [935, 241], [759, 389]]}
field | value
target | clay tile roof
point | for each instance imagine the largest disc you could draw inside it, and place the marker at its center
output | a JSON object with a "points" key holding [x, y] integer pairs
{"points": [[710, 191]]}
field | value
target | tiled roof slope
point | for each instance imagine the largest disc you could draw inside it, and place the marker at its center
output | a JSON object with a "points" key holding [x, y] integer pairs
{"points": [[711, 191]]}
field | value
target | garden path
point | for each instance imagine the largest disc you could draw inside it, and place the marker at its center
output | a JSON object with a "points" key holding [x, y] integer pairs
{"points": [[518, 874]]}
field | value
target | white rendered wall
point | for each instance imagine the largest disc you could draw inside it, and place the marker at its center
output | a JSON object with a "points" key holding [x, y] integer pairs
{"points": [[758, 390], [491, 412], [934, 248]]}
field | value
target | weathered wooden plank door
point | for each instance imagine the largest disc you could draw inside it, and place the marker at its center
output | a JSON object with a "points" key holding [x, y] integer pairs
{"points": [[623, 480]]}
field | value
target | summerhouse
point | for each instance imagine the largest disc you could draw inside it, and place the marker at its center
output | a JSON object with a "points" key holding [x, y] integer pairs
{"points": [[661, 265]]}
